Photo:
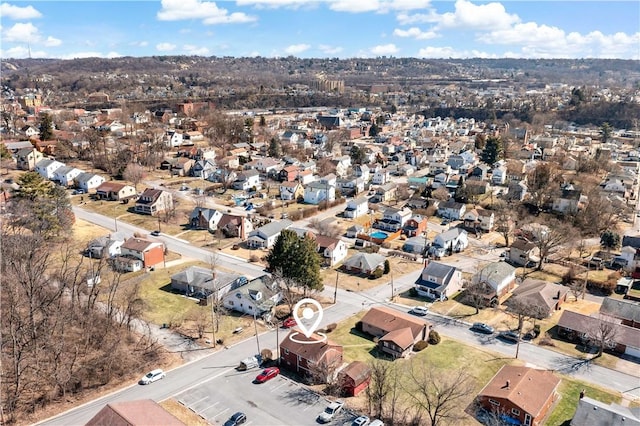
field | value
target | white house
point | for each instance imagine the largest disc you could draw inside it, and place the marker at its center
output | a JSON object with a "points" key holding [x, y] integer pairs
{"points": [[88, 181], [454, 239], [393, 219], [46, 168], [256, 298], [499, 276], [452, 210], [356, 207], [499, 175], [479, 219], [332, 250], [266, 236], [381, 176], [362, 171], [343, 165], [317, 192], [66, 175], [247, 180], [289, 191], [173, 138], [438, 281]]}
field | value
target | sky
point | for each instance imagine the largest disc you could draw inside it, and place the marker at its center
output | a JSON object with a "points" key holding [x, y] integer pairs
{"points": [[321, 28]]}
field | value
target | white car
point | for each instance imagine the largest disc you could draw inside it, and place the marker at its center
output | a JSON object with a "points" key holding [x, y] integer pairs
{"points": [[419, 310], [330, 412], [361, 421], [152, 376]]}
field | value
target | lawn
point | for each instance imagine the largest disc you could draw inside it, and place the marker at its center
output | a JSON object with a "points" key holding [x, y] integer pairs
{"points": [[183, 413], [570, 393]]}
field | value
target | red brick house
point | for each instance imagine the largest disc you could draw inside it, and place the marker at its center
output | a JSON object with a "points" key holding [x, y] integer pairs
{"points": [[521, 393], [315, 361], [354, 378], [150, 253], [396, 331]]}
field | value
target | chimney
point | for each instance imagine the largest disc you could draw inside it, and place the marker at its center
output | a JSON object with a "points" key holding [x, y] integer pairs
{"points": [[558, 295], [507, 384]]}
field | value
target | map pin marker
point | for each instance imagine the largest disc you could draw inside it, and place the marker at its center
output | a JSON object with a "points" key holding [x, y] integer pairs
{"points": [[307, 314]]}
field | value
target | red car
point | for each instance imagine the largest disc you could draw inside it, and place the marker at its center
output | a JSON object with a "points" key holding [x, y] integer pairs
{"points": [[267, 374], [289, 322]]}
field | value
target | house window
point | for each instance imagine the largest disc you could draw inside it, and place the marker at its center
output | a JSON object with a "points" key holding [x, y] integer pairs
{"points": [[494, 402], [286, 351], [250, 307], [231, 302], [299, 358], [515, 411]]}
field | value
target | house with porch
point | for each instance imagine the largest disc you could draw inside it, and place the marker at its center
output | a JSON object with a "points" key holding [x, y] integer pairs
{"points": [[27, 158], [479, 220], [393, 219], [291, 191], [257, 298], [415, 226], [204, 218], [115, 191], [452, 210], [265, 236], [523, 252], [205, 283], [317, 192], [386, 192], [453, 240], [438, 281], [332, 250], [247, 180], [154, 201], [151, 253], [233, 226]]}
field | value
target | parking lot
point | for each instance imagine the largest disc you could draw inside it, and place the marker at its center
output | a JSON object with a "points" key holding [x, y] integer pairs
{"points": [[280, 401]]}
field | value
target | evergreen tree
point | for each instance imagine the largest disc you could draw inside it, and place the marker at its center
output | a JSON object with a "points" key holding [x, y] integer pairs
{"points": [[373, 131], [492, 150], [32, 186], [609, 240], [296, 258], [274, 148], [605, 131], [46, 128], [357, 155]]}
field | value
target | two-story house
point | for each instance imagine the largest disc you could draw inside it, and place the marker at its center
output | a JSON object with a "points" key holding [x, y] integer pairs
{"points": [[386, 192], [452, 210], [47, 167], [27, 158], [479, 220], [291, 191], [452, 240], [523, 253], [247, 180], [393, 219], [356, 207], [499, 278], [415, 226], [317, 192], [256, 298], [65, 175], [204, 218], [381, 177], [154, 201], [438, 281], [289, 173], [362, 171], [332, 250], [569, 201], [203, 168], [315, 357], [150, 253]]}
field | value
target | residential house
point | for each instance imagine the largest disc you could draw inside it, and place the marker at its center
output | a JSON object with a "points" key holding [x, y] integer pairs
{"points": [[627, 311], [47, 167], [181, 166], [317, 192], [356, 207], [591, 412], [396, 331], [265, 165], [386, 192], [393, 219], [305, 177], [542, 297], [247, 180], [364, 263], [30, 131], [66, 175], [150, 253], [291, 191], [523, 252], [203, 168], [499, 175], [354, 378], [381, 177], [27, 158], [453, 240], [88, 181], [362, 171], [343, 165], [479, 220], [452, 210], [204, 218], [350, 185], [332, 250], [289, 173], [133, 413], [354, 230], [154, 201], [127, 264], [569, 201], [106, 247], [315, 357], [257, 298], [577, 327], [516, 191], [520, 395], [115, 191], [205, 283], [476, 187], [438, 281], [415, 226], [499, 278], [235, 226], [265, 236], [173, 138], [481, 171], [418, 245]]}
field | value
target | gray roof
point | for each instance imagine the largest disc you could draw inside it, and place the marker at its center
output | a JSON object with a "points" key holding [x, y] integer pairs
{"points": [[436, 269], [496, 270], [272, 228], [592, 412], [264, 285], [84, 177], [206, 213], [202, 278], [452, 233], [365, 261], [623, 309]]}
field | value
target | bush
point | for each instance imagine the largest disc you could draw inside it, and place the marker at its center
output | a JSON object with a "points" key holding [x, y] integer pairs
{"points": [[254, 258], [387, 267], [536, 330], [434, 337], [420, 345], [413, 292], [358, 326], [376, 274], [331, 327]]}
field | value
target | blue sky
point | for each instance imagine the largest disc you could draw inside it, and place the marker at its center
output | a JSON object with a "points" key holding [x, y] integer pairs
{"points": [[321, 29]]}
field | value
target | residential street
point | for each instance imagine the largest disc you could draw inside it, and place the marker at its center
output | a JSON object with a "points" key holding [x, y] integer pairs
{"points": [[216, 370]]}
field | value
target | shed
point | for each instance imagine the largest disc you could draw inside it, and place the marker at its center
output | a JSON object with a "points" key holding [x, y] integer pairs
{"points": [[354, 378]]}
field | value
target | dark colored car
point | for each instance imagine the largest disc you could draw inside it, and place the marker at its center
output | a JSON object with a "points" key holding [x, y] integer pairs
{"points": [[509, 336], [481, 327], [267, 374], [155, 233], [288, 323], [237, 419]]}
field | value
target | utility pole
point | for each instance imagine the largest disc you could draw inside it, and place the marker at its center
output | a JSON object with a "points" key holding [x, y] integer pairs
{"points": [[213, 322], [392, 289], [335, 292], [255, 325]]}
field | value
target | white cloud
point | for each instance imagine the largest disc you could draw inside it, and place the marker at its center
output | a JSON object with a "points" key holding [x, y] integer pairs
{"points": [[165, 47], [384, 49], [22, 32], [274, 4], [195, 50], [18, 13], [139, 43], [415, 32], [295, 49], [380, 6], [449, 52], [52, 42], [207, 11], [418, 18], [15, 52], [330, 50], [484, 16]]}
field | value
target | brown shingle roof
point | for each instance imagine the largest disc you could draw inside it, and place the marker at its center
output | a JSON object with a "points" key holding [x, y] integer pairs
{"points": [[388, 320], [138, 244], [357, 371], [110, 187], [326, 242], [403, 337], [308, 351], [525, 387], [133, 413]]}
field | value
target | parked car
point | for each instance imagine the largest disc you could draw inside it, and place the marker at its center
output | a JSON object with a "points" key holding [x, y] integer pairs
{"points": [[361, 421], [419, 310], [481, 327], [267, 374], [288, 323], [330, 412], [237, 419], [249, 363], [155, 233], [509, 336], [445, 222], [152, 376], [376, 422], [78, 191]]}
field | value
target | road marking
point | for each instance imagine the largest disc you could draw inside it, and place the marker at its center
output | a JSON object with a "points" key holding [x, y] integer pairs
{"points": [[199, 400], [221, 412]]}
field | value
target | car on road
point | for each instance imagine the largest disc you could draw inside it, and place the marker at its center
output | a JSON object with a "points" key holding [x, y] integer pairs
{"points": [[237, 419], [361, 421], [78, 191], [152, 376], [288, 323], [330, 412], [155, 233], [419, 310], [267, 374], [481, 327], [509, 336]]}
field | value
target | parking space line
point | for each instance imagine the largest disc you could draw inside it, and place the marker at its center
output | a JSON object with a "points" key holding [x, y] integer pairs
{"points": [[199, 400], [221, 412]]}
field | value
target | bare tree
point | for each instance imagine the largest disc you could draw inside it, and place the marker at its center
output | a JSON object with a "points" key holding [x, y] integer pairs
{"points": [[324, 228], [134, 173], [504, 220], [379, 386], [437, 393], [478, 294], [550, 238], [602, 334], [440, 194]]}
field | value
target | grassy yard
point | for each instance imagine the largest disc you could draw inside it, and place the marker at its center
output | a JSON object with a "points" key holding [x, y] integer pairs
{"points": [[183, 413], [570, 394]]}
